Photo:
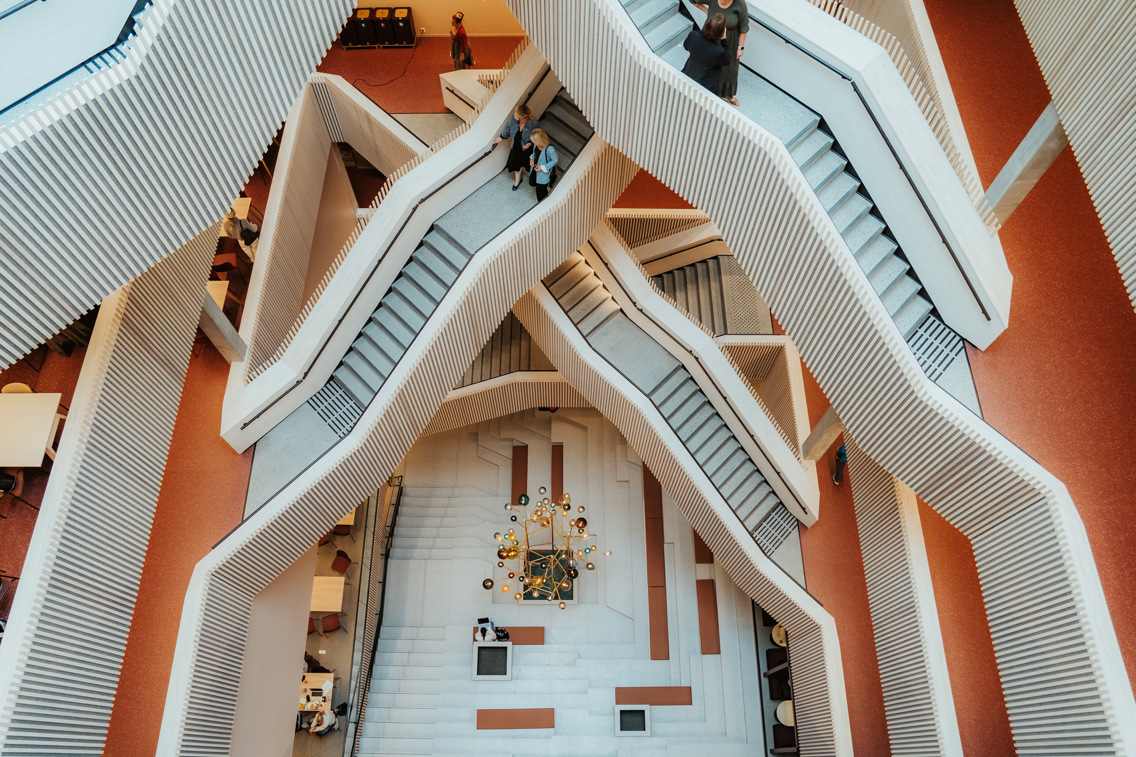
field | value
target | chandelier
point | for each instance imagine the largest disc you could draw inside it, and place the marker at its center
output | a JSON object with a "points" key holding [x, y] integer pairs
{"points": [[544, 547]]}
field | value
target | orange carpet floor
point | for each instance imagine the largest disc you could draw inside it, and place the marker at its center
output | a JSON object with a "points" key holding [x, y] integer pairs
{"points": [[202, 499], [1061, 381], [406, 81]]}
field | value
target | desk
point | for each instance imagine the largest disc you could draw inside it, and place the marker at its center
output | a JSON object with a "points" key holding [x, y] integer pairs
{"points": [[27, 427], [327, 593], [241, 207], [348, 519], [312, 681], [218, 290], [784, 713]]}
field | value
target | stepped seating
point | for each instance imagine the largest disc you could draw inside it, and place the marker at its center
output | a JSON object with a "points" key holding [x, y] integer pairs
{"points": [[831, 177], [677, 396], [431, 271]]}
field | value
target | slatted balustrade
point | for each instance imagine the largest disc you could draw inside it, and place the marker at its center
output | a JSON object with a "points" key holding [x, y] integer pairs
{"points": [[1030, 547]]}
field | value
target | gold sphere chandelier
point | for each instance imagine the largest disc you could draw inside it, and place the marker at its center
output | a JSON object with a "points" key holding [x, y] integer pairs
{"points": [[544, 547]]}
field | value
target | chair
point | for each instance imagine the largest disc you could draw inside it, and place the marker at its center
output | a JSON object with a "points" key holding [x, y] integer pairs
{"points": [[344, 529], [325, 539], [776, 661], [16, 388], [50, 451], [779, 688], [784, 739], [311, 625], [329, 623], [12, 482], [341, 563]]}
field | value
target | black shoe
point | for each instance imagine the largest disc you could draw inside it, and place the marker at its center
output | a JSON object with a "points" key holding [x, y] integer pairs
{"points": [[515, 187]]}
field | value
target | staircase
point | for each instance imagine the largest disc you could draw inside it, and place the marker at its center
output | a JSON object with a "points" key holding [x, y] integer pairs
{"points": [[509, 350], [831, 177], [406, 683], [677, 396], [432, 269], [699, 289]]}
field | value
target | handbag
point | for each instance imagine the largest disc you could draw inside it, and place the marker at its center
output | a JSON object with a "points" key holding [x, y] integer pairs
{"points": [[467, 59]]}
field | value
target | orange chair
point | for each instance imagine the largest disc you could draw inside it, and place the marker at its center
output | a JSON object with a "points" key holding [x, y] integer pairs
{"points": [[341, 563], [311, 625], [329, 623]]}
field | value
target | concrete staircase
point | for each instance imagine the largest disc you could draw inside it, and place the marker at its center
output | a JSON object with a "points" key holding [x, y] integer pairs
{"points": [[510, 349], [671, 389], [815, 151], [432, 269], [406, 687], [699, 289]]}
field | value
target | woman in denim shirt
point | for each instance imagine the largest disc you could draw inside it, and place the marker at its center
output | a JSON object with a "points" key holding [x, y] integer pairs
{"points": [[543, 162], [519, 129]]}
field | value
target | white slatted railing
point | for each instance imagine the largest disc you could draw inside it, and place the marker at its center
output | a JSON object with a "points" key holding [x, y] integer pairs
{"points": [[1030, 547], [909, 643], [1087, 53], [101, 182], [202, 694], [921, 83], [639, 226], [503, 396], [60, 660], [819, 703]]}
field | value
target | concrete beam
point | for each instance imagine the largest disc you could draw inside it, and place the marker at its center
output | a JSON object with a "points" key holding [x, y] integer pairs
{"points": [[1041, 146], [220, 332], [827, 429]]}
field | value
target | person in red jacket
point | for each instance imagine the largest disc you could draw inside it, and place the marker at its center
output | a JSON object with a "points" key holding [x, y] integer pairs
{"points": [[459, 43]]}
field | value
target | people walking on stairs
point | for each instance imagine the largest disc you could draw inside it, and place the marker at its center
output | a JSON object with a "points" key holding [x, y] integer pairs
{"points": [[708, 53], [519, 129], [543, 163], [737, 26], [459, 43]]}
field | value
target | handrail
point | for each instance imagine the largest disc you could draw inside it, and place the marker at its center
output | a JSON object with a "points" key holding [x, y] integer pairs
{"points": [[359, 711], [323, 346], [891, 148]]}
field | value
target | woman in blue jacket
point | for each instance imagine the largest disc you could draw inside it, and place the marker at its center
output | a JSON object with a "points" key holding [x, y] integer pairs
{"points": [[519, 130], [543, 163]]}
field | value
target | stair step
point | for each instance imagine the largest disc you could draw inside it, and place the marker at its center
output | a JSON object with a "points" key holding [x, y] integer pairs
{"points": [[862, 233], [679, 397], [374, 352], [850, 211], [908, 318], [406, 311], [567, 140], [708, 441], [436, 263], [420, 299], [454, 255], [572, 117], [425, 280], [650, 11], [399, 332], [588, 303], [570, 278], [665, 33], [837, 190], [598, 317], [899, 294], [887, 273], [581, 291], [364, 370], [353, 385], [875, 252], [823, 169], [695, 415], [668, 385], [810, 147]]}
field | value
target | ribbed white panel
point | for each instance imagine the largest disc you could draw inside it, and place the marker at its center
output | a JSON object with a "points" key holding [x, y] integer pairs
{"points": [[897, 34], [61, 655], [643, 226], [214, 622], [763, 361], [1087, 53], [502, 396], [106, 179], [276, 290], [327, 110], [909, 644], [819, 702], [1030, 547]]}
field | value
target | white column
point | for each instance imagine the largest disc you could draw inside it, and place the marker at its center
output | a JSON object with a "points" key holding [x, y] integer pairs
{"points": [[1036, 153]]}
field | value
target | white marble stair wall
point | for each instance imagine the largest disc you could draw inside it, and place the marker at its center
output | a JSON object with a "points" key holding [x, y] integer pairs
{"points": [[423, 700]]}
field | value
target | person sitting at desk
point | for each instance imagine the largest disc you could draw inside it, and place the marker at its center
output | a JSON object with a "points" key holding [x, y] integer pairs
{"points": [[323, 722]]}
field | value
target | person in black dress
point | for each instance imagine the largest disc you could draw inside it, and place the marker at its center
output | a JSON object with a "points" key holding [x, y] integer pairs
{"points": [[519, 129], [708, 53]]}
